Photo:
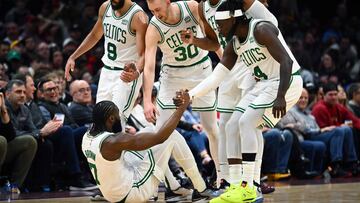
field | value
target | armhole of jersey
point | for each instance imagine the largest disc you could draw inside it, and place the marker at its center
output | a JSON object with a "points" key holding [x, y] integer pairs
{"points": [[190, 13], [234, 45], [130, 21], [251, 25], [102, 140], [253, 33], [106, 10], [159, 30], [203, 10]]}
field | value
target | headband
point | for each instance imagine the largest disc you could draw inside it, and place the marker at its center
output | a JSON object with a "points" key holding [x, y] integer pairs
{"points": [[223, 15]]}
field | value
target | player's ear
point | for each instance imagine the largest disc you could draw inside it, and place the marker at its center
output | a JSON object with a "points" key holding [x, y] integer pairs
{"points": [[112, 118]]}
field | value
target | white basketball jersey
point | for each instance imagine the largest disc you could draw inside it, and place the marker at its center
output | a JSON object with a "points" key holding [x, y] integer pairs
{"points": [[114, 178], [209, 14], [175, 52], [120, 41], [258, 58]]}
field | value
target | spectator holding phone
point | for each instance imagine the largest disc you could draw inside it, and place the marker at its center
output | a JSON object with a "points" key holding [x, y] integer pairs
{"points": [[61, 141]]}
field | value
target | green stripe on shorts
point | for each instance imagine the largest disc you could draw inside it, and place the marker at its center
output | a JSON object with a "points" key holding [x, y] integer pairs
{"points": [[149, 172], [239, 109], [132, 92], [224, 110], [268, 121]]}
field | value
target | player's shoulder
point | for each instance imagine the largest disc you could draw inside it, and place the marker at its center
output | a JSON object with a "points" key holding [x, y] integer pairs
{"points": [[140, 15], [193, 5], [262, 25], [263, 28], [103, 7]]}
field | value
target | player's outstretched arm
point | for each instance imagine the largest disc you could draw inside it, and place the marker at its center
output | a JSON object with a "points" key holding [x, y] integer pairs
{"points": [[267, 34], [151, 39], [218, 75], [209, 41], [145, 140], [91, 39]]}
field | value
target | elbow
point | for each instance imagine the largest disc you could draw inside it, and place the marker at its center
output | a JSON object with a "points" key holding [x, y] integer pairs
{"points": [[289, 62], [287, 65], [215, 47]]}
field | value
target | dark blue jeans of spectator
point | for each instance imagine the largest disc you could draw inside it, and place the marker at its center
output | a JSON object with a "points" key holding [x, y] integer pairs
{"points": [[78, 136], [40, 171], [340, 142], [65, 148], [196, 142], [315, 151], [277, 150]]}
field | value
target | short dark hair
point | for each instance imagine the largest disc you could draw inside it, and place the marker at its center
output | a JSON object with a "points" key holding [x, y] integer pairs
{"points": [[330, 86], [352, 89], [21, 76], [41, 82], [11, 84]]}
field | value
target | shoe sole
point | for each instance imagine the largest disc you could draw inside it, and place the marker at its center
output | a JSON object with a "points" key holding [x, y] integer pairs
{"points": [[259, 200], [98, 198], [177, 199], [72, 188]]}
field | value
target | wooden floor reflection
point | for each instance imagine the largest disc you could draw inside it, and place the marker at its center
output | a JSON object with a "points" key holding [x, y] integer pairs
{"points": [[339, 192]]}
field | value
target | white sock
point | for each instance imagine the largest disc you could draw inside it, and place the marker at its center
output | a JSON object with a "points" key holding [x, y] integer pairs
{"points": [[173, 184], [257, 171], [235, 173], [248, 172], [224, 171]]}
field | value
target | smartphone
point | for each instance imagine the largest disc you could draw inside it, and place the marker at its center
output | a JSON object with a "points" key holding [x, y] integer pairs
{"points": [[59, 117]]}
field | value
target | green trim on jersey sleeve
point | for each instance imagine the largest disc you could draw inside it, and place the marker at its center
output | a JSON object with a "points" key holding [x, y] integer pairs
{"points": [[122, 16], [106, 10], [160, 32], [178, 23], [130, 20], [249, 32], [190, 13]]}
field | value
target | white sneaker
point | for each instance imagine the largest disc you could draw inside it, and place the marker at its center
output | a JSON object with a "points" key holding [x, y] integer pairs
{"points": [[259, 195]]}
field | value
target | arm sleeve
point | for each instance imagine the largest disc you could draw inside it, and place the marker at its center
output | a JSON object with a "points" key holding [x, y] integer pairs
{"points": [[46, 114], [350, 116], [211, 82], [258, 11]]}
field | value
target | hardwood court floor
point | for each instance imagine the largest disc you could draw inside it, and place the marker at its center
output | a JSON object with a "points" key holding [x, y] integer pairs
{"points": [[323, 193]]}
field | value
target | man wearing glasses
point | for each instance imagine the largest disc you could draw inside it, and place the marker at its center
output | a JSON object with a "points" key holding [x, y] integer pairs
{"points": [[81, 108], [51, 108]]}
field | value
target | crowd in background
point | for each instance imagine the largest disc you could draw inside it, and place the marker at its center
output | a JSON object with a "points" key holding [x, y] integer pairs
{"points": [[36, 37]]}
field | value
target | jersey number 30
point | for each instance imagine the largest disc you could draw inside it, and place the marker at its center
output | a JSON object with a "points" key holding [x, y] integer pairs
{"points": [[186, 52]]}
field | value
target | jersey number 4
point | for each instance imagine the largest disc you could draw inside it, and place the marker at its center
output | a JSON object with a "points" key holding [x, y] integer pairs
{"points": [[259, 74], [186, 52]]}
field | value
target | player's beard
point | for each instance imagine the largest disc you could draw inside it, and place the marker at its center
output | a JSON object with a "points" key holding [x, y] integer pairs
{"points": [[116, 6], [116, 127]]}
